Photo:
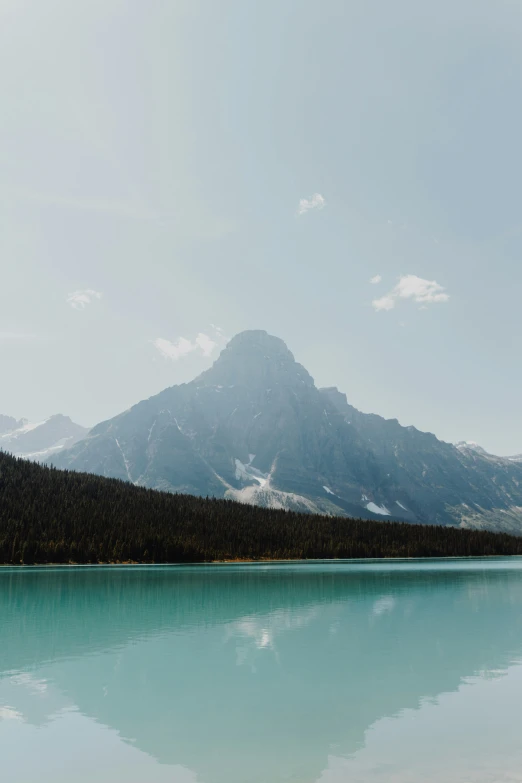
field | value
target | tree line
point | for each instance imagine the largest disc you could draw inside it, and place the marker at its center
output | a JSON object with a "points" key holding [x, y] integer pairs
{"points": [[53, 516]]}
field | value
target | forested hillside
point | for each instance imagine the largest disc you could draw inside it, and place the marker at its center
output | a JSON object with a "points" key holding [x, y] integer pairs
{"points": [[48, 515]]}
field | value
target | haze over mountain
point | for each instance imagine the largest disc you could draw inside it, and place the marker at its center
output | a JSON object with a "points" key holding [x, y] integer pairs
{"points": [[255, 428], [40, 440]]}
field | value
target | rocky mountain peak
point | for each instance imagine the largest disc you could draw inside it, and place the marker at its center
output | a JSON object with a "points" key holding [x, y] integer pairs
{"points": [[59, 418], [8, 423], [258, 340], [256, 359]]}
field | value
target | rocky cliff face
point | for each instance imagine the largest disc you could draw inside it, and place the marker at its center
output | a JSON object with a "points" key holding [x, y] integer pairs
{"points": [[438, 481], [255, 428]]}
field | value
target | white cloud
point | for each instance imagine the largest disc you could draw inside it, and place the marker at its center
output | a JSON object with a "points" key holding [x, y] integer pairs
{"points": [[182, 347], [206, 345], [219, 335], [176, 350], [202, 343], [412, 287], [80, 299], [384, 303], [316, 202], [376, 279]]}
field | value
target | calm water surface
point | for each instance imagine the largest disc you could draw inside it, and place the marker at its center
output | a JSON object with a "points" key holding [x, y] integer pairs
{"points": [[384, 671]]}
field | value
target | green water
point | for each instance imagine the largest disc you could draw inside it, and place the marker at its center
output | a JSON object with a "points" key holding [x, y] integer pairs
{"points": [[384, 671]]}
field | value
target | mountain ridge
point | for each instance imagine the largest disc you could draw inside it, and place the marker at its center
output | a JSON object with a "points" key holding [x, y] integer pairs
{"points": [[255, 428], [38, 441]]}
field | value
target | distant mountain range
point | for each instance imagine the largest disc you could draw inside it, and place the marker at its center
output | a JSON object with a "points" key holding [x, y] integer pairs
{"points": [[470, 445], [255, 428], [40, 440]]}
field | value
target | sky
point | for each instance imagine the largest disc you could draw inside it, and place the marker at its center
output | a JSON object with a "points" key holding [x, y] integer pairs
{"points": [[346, 174]]}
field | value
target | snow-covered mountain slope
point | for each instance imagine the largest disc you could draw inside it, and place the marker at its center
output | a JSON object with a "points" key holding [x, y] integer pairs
{"points": [[471, 446], [40, 440], [8, 424], [255, 428]]}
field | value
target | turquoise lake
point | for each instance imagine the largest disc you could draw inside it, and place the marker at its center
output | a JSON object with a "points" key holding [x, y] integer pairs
{"points": [[262, 673]]}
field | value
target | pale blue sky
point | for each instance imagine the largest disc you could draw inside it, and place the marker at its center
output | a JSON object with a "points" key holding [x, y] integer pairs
{"points": [[157, 152]]}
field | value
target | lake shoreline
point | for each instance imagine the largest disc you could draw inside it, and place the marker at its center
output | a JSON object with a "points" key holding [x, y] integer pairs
{"points": [[254, 561]]}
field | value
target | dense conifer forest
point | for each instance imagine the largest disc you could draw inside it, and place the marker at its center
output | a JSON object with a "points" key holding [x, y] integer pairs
{"points": [[53, 516]]}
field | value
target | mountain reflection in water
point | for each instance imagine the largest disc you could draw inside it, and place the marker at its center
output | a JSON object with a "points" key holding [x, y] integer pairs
{"points": [[261, 673]]}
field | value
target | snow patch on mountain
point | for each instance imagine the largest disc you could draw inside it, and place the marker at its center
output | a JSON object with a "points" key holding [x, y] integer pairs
{"points": [[44, 453], [249, 473], [465, 447], [125, 460], [273, 498], [27, 426], [375, 509], [260, 493]]}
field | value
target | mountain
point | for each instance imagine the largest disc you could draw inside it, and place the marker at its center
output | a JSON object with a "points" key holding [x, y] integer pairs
{"points": [[470, 445], [255, 428], [8, 424], [446, 483], [41, 440]]}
